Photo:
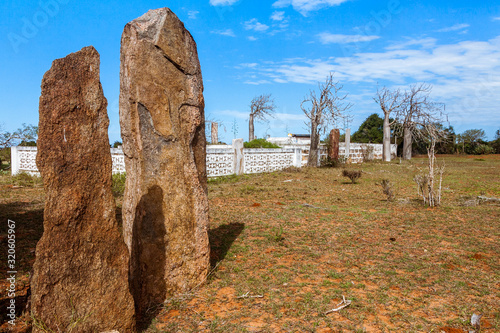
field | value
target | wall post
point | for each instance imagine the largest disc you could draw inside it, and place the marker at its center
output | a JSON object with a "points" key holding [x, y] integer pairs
{"points": [[238, 156], [14, 160]]}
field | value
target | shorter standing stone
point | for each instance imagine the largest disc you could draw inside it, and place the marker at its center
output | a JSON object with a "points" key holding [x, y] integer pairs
{"points": [[334, 143], [80, 274], [215, 133]]}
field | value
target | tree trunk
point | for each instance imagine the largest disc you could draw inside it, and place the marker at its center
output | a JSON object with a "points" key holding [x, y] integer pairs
{"points": [[386, 148], [347, 144], [407, 141], [250, 129], [312, 160]]}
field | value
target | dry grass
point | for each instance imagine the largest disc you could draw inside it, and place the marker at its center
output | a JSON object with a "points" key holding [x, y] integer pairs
{"points": [[304, 239]]}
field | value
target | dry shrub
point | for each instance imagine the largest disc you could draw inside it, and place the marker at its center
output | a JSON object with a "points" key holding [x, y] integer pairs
{"points": [[387, 189], [353, 175], [292, 169], [333, 163]]}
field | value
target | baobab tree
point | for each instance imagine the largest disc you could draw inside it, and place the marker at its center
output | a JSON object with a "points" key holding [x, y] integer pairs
{"points": [[390, 102], [260, 107], [323, 108], [418, 109]]}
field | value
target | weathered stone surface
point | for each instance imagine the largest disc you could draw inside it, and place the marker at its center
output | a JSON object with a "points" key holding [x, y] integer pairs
{"points": [[165, 208], [334, 144], [215, 133], [81, 267], [239, 166]]}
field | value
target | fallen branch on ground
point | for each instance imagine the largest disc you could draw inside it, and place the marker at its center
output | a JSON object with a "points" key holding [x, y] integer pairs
{"points": [[487, 199], [341, 305], [311, 206], [247, 295]]}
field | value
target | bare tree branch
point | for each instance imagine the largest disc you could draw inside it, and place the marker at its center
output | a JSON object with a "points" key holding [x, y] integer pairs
{"points": [[261, 106], [389, 102], [420, 112], [323, 108]]}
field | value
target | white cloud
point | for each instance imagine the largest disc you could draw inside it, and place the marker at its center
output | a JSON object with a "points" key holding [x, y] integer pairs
{"points": [[289, 117], [233, 113], [465, 75], [257, 82], [328, 38], [496, 18], [255, 25], [252, 38], [278, 16], [192, 14], [397, 63], [455, 27], [249, 65], [428, 42], [227, 32], [305, 6], [222, 2]]}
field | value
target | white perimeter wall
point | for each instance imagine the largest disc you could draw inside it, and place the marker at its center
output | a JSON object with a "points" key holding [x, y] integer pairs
{"points": [[222, 160]]}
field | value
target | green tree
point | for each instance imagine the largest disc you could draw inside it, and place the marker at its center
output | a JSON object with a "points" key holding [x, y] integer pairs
{"points": [[26, 135], [117, 144], [447, 145], [495, 144], [370, 131], [470, 139]]}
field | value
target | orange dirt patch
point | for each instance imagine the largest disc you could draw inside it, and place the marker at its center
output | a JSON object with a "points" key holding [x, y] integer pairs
{"points": [[451, 330]]}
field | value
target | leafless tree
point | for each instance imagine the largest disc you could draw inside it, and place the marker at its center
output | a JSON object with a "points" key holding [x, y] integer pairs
{"points": [[418, 110], [426, 182], [322, 108], [212, 124], [260, 107], [390, 102]]}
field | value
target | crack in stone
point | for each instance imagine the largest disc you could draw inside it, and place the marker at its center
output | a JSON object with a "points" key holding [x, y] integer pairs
{"points": [[176, 65]]}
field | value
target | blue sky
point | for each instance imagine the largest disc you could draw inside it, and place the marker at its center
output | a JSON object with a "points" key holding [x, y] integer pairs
{"points": [[282, 47]]}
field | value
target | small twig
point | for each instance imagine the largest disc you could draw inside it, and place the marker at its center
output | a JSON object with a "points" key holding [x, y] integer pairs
{"points": [[484, 198], [311, 206], [247, 295], [206, 278], [341, 305]]}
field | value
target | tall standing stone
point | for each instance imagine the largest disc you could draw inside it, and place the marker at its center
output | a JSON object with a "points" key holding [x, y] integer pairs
{"points": [[80, 274], [334, 144], [165, 205]]}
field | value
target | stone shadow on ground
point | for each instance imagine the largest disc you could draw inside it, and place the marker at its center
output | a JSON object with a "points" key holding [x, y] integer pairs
{"points": [[147, 261], [28, 231], [221, 239]]}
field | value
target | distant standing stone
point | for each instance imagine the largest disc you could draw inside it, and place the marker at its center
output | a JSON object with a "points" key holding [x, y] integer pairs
{"points": [[334, 144], [165, 206], [81, 268]]}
